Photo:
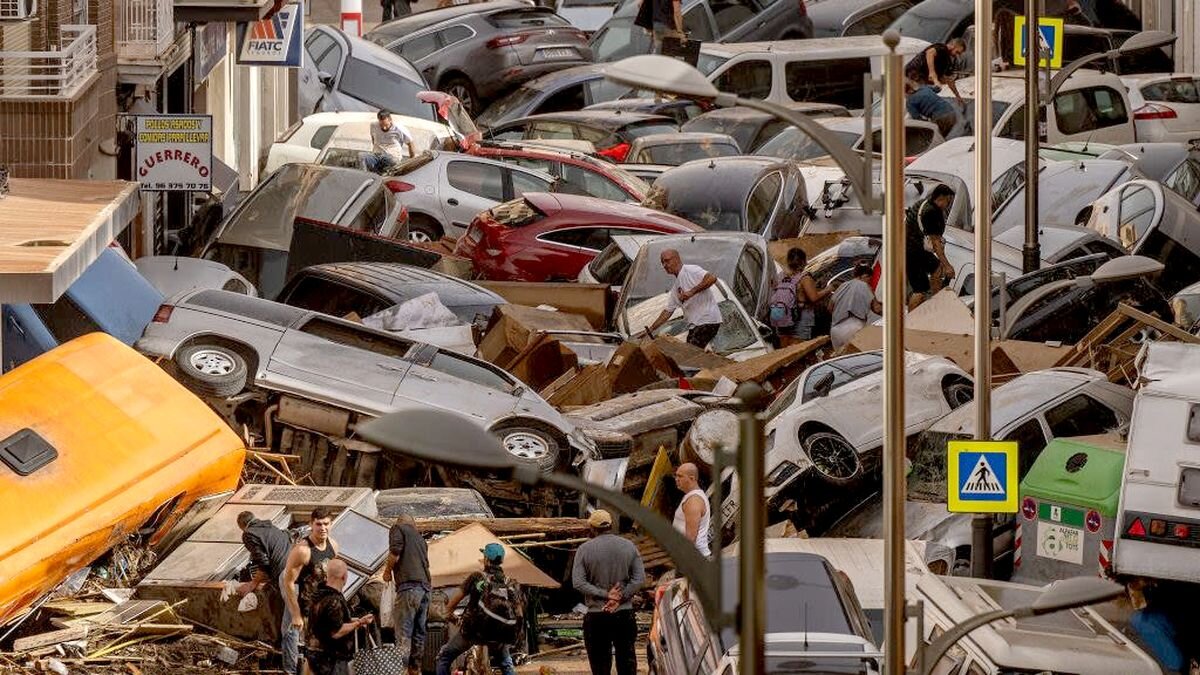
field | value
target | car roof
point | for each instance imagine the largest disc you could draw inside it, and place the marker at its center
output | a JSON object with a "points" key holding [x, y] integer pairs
{"points": [[1016, 398], [684, 137], [820, 49], [610, 212], [638, 104], [566, 76], [832, 14], [630, 244], [371, 52], [386, 277], [605, 119], [1009, 86], [732, 168], [738, 113], [389, 32]]}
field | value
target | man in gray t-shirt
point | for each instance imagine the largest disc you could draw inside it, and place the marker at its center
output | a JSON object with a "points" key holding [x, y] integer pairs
{"points": [[388, 139], [608, 572]]}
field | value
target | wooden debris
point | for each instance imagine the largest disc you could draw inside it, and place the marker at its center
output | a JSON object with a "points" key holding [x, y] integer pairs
{"points": [[75, 608], [557, 528], [54, 637], [1114, 343]]}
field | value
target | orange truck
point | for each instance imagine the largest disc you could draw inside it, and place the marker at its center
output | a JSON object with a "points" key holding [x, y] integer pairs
{"points": [[97, 443]]}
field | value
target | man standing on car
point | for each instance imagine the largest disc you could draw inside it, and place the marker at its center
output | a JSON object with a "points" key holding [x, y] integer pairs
{"points": [[934, 66], [269, 547], [926, 268], [304, 572], [693, 292], [331, 625], [693, 518], [608, 572], [388, 139], [408, 564], [481, 625]]}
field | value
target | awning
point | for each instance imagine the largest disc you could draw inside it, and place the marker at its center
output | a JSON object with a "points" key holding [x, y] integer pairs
{"points": [[231, 11], [52, 230]]}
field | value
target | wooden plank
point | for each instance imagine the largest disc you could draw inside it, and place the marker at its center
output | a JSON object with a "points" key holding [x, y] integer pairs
{"points": [[77, 607], [505, 527], [53, 637]]}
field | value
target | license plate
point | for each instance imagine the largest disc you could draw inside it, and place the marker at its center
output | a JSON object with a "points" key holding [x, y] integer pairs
{"points": [[474, 235], [557, 53]]}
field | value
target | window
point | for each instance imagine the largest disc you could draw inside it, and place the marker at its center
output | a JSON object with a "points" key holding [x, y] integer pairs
{"points": [[1007, 185], [1183, 90], [1193, 429], [321, 136], [761, 203], [329, 297], [975, 669], [916, 140], [1185, 180], [418, 47], [545, 165], [1088, 109], [748, 79], [730, 14], [594, 238], [373, 215], [601, 90], [569, 98], [325, 53], [579, 181], [523, 182], [350, 336], [1136, 214], [747, 277], [455, 34], [1080, 416], [876, 23], [552, 130], [65, 320], [698, 27], [837, 81], [1031, 440], [470, 371], [482, 180]]}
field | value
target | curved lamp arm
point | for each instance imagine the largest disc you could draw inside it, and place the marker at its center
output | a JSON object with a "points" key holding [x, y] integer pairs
{"points": [[938, 648], [1060, 78]]}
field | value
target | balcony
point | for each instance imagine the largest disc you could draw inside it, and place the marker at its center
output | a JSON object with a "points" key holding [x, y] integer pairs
{"points": [[59, 72], [145, 29], [17, 9]]}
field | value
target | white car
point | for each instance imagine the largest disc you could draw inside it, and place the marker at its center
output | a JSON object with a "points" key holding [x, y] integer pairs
{"points": [[305, 140], [1166, 106]]}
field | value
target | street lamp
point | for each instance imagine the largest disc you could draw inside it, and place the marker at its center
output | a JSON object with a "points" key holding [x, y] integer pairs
{"points": [[1060, 595], [666, 75], [446, 438]]}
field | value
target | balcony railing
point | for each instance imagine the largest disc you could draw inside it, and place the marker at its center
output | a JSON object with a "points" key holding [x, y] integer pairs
{"points": [[17, 9], [57, 72], [145, 29]]}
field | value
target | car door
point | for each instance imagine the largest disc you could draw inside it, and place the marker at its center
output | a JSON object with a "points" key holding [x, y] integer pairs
{"points": [[451, 381], [876, 21], [419, 50], [740, 20], [324, 57], [468, 187], [762, 206], [569, 249], [1097, 114]]}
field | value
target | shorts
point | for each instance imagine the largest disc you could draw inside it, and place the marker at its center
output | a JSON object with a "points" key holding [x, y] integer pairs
{"points": [[918, 265]]}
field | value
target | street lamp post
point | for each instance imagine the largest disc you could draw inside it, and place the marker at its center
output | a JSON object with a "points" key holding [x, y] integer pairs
{"points": [[1031, 253]]}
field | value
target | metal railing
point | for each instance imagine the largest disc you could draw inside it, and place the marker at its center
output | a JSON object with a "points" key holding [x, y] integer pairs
{"points": [[145, 28], [17, 9], [56, 72]]}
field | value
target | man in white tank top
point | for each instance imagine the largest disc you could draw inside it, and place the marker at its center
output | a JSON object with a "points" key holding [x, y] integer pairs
{"points": [[692, 518]]}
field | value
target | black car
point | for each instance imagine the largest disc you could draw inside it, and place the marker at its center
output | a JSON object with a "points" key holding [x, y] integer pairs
{"points": [[751, 128], [561, 91], [366, 288], [841, 18], [681, 110], [610, 132], [762, 195], [1080, 41], [944, 20]]}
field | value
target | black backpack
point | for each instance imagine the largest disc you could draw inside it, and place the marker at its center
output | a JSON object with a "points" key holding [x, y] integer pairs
{"points": [[499, 614]]}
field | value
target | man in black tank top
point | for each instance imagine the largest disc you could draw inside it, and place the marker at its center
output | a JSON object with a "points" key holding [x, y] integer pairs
{"points": [[305, 571]]}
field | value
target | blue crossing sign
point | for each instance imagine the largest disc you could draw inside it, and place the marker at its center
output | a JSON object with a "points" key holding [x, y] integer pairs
{"points": [[981, 476], [1052, 41]]}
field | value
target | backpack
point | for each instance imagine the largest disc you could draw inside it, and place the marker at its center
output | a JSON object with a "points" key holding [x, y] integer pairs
{"points": [[498, 617], [783, 301]]}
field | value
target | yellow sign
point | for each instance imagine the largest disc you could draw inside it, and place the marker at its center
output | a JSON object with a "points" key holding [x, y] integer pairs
{"points": [[661, 469], [1052, 34], [981, 476]]}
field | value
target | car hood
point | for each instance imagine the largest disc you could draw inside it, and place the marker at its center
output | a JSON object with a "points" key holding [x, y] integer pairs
{"points": [[926, 521]]}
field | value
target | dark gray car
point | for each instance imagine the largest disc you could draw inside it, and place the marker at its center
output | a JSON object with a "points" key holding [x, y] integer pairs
{"points": [[565, 90], [479, 52], [707, 21], [840, 18], [751, 128]]}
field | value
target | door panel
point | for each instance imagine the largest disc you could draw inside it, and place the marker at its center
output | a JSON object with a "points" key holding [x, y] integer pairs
{"points": [[339, 372], [468, 188]]}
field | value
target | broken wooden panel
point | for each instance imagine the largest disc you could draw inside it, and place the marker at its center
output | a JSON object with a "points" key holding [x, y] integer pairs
{"points": [[1112, 346], [204, 606]]}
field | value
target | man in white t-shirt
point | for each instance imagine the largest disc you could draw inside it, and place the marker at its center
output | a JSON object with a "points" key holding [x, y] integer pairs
{"points": [[388, 141], [693, 292]]}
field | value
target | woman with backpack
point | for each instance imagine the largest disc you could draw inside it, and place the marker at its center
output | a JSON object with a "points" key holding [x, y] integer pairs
{"points": [[794, 301], [493, 616]]}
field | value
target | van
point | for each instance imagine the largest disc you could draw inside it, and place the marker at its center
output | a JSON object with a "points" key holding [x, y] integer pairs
{"points": [[1158, 520], [824, 70], [97, 445]]}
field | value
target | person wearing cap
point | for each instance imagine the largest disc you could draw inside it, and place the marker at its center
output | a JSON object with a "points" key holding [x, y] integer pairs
{"points": [[473, 588], [608, 572], [388, 140]]}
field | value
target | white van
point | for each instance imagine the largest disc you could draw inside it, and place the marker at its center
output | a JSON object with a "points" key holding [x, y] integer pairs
{"points": [[305, 139], [826, 70], [1158, 520]]}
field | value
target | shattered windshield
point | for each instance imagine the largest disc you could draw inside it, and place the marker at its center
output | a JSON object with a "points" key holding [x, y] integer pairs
{"points": [[792, 143], [927, 478], [733, 335]]}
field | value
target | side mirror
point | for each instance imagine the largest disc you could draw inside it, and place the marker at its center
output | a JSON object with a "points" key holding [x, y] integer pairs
{"points": [[823, 385], [325, 79]]}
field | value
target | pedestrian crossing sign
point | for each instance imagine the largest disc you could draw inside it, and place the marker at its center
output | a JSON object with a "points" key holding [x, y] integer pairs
{"points": [[1052, 41], [981, 476]]}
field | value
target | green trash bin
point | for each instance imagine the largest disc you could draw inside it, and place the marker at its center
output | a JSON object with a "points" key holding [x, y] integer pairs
{"points": [[1068, 509]]}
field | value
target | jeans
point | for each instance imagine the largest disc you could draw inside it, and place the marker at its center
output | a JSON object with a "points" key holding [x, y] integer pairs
{"points": [[289, 638], [455, 647], [411, 610], [604, 633], [378, 162]]}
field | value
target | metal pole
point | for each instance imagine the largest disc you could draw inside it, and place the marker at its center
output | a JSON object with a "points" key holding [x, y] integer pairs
{"points": [[752, 571], [1031, 257], [893, 357], [981, 525]]}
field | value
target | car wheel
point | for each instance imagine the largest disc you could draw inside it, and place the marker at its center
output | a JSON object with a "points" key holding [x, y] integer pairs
{"points": [[212, 370], [958, 393], [531, 446], [462, 89], [832, 456], [423, 229]]}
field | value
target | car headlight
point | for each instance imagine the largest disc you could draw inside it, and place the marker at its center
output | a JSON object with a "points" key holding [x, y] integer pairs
{"points": [[782, 474]]}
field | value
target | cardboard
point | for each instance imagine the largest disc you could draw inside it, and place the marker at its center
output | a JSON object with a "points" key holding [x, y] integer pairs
{"points": [[456, 556], [542, 362], [943, 313], [812, 244], [513, 327], [589, 385], [688, 357], [776, 368], [1009, 357], [630, 369], [591, 301]]}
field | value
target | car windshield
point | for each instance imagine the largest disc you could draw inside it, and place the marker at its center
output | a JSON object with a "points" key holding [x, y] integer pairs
{"points": [[801, 597], [512, 105], [707, 63], [924, 24], [792, 143], [648, 279], [733, 335], [677, 153], [380, 87], [647, 128], [927, 478]]}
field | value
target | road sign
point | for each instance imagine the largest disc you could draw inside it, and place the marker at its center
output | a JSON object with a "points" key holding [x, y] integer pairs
{"points": [[1052, 40], [981, 476]]}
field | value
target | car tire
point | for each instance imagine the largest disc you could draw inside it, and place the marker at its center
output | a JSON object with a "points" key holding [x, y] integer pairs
{"points": [[211, 370], [832, 457], [958, 393], [462, 89], [531, 446], [423, 229]]}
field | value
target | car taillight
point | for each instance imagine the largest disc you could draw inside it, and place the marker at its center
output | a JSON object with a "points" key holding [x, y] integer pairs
{"points": [[616, 153], [1180, 531], [803, 9], [163, 314], [1158, 528], [658, 593], [1136, 529], [1154, 111], [400, 186], [506, 40]]}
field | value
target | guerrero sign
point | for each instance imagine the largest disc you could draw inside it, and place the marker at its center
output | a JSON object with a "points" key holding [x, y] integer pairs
{"points": [[274, 41], [174, 152]]}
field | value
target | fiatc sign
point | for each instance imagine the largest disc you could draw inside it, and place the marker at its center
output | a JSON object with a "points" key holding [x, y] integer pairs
{"points": [[174, 152], [274, 41]]}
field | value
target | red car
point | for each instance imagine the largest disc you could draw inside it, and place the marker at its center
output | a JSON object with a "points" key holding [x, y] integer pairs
{"points": [[550, 237]]}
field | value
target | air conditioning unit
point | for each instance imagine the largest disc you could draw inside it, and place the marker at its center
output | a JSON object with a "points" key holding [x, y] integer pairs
{"points": [[17, 9], [300, 500]]}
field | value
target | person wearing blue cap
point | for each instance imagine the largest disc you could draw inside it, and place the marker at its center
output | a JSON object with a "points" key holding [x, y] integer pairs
{"points": [[493, 616]]}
